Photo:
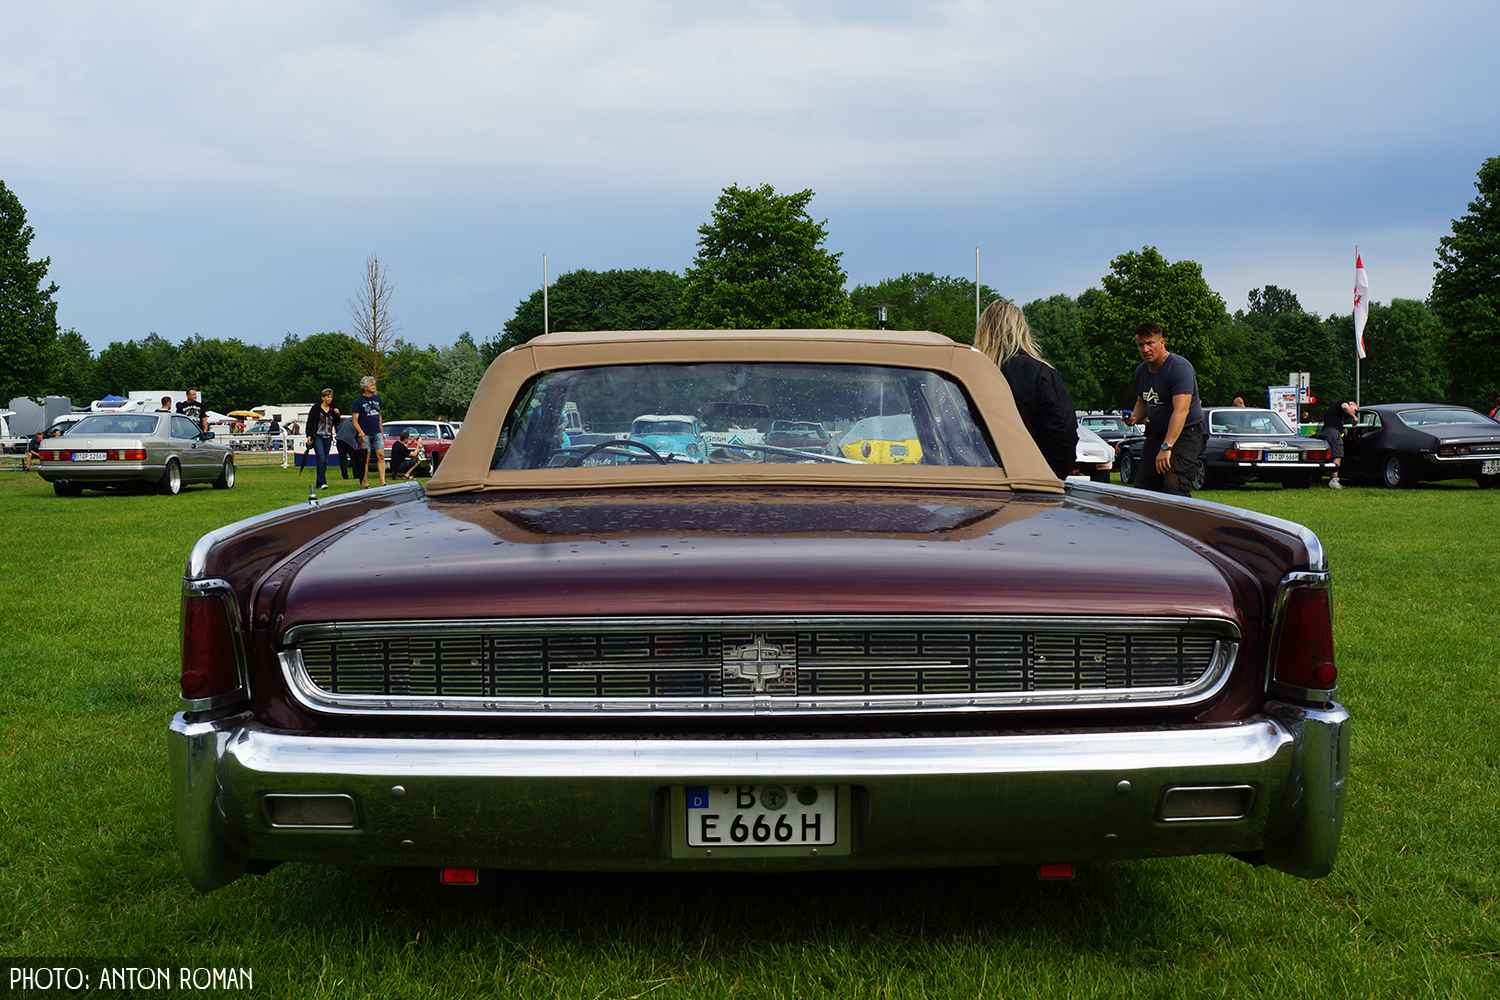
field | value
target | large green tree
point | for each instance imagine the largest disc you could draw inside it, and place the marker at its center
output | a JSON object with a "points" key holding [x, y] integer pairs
{"points": [[762, 264], [1056, 325], [636, 299], [1403, 361], [456, 374], [1145, 287], [127, 366], [228, 374], [921, 301], [304, 366], [28, 316], [74, 377], [1466, 293]]}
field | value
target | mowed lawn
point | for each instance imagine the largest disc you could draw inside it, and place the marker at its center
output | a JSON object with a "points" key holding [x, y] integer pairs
{"points": [[88, 662]]}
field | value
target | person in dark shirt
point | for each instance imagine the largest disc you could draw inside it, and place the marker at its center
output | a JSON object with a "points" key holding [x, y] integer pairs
{"points": [[1167, 398], [350, 452], [1046, 409], [193, 410], [33, 451], [166, 405], [1340, 412], [369, 427], [403, 456]]}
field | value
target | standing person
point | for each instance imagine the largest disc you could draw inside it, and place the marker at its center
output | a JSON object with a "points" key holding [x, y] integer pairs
{"points": [[369, 428], [350, 453], [1239, 401], [193, 410], [166, 405], [322, 425], [1333, 433], [33, 451], [1041, 398], [1167, 397]]}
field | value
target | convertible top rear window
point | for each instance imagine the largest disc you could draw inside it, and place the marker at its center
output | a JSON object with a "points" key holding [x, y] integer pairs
{"points": [[671, 414]]}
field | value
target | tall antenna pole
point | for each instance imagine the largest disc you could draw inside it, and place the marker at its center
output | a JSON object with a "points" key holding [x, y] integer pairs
{"points": [[1356, 347], [545, 318], [976, 289]]}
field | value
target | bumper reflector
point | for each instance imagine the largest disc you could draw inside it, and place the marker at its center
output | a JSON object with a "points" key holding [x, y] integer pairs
{"points": [[1207, 802], [292, 809], [460, 876], [1062, 869]]}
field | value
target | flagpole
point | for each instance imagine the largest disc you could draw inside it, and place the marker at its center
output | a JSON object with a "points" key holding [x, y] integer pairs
{"points": [[1356, 345]]}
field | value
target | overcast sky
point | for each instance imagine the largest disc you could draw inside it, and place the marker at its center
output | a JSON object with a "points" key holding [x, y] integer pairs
{"points": [[225, 169]]}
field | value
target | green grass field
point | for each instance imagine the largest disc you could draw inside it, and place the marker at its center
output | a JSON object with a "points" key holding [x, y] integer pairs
{"points": [[88, 662]]}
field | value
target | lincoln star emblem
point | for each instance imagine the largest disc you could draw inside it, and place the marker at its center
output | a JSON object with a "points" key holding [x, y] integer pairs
{"points": [[758, 662]]}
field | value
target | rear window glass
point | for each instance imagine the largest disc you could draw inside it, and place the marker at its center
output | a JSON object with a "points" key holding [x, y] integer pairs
{"points": [[1455, 415], [741, 414], [1246, 421]]}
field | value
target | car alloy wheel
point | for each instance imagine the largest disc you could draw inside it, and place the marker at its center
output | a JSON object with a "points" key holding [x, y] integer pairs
{"points": [[1127, 468], [1395, 473], [171, 480], [226, 475]]}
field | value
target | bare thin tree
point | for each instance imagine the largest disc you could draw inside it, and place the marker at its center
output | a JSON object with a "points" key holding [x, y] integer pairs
{"points": [[374, 328]]}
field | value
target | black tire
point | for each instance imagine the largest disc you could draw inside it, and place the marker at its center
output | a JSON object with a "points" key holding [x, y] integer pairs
{"points": [[226, 475], [1395, 472], [1488, 482], [171, 480], [63, 488], [1098, 475], [1299, 482], [1127, 468]]}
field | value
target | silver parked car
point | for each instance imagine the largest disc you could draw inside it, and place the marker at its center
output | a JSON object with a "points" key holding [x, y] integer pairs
{"points": [[166, 450]]}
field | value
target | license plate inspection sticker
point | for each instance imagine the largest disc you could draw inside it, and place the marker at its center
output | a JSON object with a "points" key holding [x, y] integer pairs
{"points": [[761, 815]]}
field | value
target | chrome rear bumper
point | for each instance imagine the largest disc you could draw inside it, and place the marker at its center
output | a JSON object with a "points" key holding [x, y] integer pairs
{"points": [[604, 804]]}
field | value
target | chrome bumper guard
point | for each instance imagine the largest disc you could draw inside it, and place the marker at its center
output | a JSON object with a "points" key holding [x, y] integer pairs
{"points": [[240, 793]]}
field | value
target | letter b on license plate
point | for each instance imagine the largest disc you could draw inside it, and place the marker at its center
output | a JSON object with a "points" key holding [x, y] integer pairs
{"points": [[730, 818]]}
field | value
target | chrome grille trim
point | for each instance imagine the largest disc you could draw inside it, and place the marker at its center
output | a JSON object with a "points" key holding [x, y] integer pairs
{"points": [[1061, 663]]}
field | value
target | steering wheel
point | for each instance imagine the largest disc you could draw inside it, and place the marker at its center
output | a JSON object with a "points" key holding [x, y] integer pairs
{"points": [[610, 444]]}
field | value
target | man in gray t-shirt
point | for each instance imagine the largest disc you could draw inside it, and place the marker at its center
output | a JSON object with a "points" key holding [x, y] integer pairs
{"points": [[1167, 398]]}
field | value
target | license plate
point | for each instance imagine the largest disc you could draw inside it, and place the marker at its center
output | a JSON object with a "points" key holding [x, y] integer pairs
{"points": [[733, 816], [1283, 456], [1490, 467], [88, 456]]}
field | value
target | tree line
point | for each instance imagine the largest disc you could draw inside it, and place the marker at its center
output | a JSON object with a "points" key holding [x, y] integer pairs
{"points": [[763, 263]]}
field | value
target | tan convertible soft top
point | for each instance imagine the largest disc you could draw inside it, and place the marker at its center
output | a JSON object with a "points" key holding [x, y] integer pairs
{"points": [[466, 467]]}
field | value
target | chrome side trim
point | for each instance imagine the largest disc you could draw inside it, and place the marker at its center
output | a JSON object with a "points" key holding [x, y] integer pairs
{"points": [[1317, 557], [1209, 683], [212, 587], [198, 558]]}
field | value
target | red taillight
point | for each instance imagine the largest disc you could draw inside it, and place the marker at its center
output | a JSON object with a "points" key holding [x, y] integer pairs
{"points": [[1242, 454], [1317, 455], [1304, 656], [48, 456], [210, 664]]}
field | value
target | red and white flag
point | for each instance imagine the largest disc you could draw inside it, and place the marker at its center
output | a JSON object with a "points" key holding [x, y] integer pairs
{"points": [[1361, 304]]}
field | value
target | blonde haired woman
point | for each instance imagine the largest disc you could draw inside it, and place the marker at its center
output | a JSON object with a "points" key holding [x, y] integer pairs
{"points": [[1043, 401]]}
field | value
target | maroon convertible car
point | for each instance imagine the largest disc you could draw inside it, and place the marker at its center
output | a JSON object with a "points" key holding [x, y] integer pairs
{"points": [[921, 651]]}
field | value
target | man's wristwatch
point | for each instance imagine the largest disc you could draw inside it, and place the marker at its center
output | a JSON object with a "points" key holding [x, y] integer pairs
{"points": [[1165, 446]]}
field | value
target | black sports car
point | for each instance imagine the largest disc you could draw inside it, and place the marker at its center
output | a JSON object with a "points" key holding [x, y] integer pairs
{"points": [[1248, 445], [1403, 444]]}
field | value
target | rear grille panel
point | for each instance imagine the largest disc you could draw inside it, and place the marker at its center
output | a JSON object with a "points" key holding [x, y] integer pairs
{"points": [[806, 666]]}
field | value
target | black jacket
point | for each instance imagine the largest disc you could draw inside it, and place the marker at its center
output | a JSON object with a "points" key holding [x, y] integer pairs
{"points": [[1046, 410]]}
